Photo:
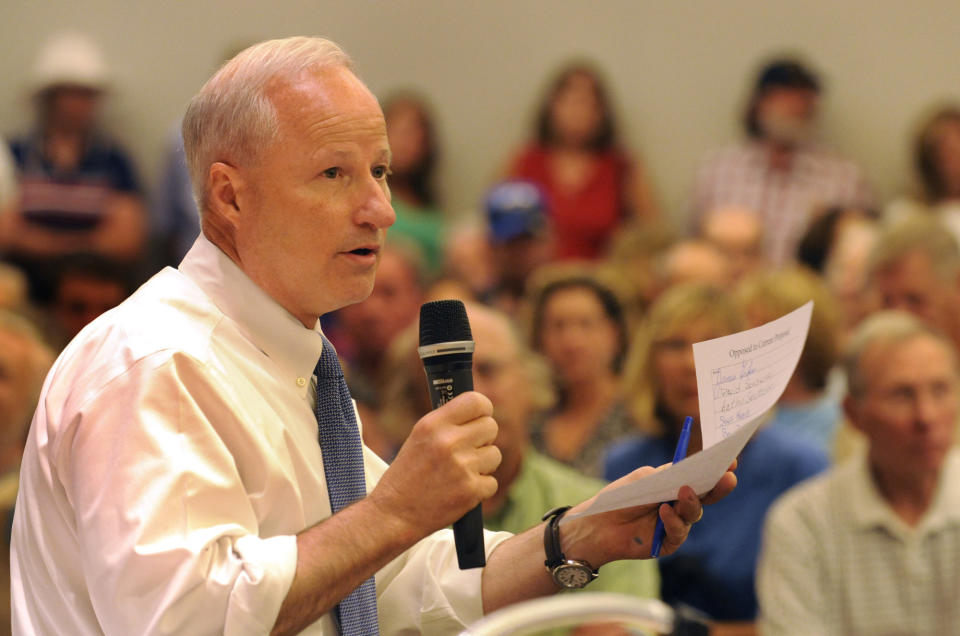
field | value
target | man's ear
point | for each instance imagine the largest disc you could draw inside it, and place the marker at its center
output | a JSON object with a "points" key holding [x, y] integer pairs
{"points": [[224, 182]]}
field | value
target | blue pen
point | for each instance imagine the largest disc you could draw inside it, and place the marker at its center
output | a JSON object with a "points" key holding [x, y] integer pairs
{"points": [[679, 454]]}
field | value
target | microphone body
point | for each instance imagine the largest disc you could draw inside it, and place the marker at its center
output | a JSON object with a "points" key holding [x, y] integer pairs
{"points": [[446, 348]]}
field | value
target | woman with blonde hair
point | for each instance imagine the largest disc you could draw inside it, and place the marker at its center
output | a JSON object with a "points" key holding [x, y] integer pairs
{"points": [[713, 571], [810, 406]]}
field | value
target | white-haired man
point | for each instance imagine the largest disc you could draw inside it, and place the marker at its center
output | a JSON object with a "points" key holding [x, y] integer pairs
{"points": [[873, 546], [173, 482]]}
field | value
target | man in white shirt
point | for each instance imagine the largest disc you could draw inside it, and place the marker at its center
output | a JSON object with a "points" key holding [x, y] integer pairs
{"points": [[172, 481], [873, 546]]}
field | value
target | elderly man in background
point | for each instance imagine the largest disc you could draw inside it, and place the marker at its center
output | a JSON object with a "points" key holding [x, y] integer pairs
{"points": [[915, 267], [873, 546], [172, 480]]}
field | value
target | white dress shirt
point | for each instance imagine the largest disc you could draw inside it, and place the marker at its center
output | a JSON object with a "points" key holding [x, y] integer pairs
{"points": [[837, 559], [172, 460]]}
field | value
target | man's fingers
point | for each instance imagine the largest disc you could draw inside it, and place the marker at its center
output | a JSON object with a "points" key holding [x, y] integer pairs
{"points": [[479, 432], [723, 488], [486, 459], [467, 407], [688, 506]]}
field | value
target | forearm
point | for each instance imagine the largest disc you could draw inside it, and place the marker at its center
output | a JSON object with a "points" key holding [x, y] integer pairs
{"points": [[515, 571], [334, 557]]}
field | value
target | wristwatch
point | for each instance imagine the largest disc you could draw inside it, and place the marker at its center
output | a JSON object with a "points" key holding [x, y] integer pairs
{"points": [[570, 574]]}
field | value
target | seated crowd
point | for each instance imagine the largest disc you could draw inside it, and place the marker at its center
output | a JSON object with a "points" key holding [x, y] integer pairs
{"points": [[584, 301]]}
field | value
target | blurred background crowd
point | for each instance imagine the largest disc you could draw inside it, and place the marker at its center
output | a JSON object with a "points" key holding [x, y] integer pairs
{"points": [[585, 290]]}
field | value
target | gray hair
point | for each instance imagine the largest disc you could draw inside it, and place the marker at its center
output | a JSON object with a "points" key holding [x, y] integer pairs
{"points": [[887, 329], [232, 117], [917, 233]]}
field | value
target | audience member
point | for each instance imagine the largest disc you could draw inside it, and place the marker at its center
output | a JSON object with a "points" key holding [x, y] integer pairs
{"points": [[846, 270], [579, 327], [591, 182], [8, 189], [24, 360], [366, 330], [528, 481], [779, 170], [520, 240], [176, 220], [78, 190], [88, 285], [936, 158], [738, 233], [414, 154], [468, 259], [873, 546], [714, 571], [694, 261], [810, 407], [633, 260], [915, 267]]}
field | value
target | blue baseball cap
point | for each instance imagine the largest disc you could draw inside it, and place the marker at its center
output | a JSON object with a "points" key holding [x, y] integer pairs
{"points": [[515, 209]]}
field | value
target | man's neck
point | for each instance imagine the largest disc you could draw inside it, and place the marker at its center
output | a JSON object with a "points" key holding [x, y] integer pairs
{"points": [[780, 156], [910, 498]]}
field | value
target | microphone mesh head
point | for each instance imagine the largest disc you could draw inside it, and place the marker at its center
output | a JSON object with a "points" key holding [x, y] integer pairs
{"points": [[443, 321]]}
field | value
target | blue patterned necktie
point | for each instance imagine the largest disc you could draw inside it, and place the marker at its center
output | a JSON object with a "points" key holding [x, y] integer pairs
{"points": [[343, 465]]}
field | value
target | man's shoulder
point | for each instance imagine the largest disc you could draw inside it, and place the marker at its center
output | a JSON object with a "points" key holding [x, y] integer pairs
{"points": [[168, 315], [562, 477], [808, 502]]}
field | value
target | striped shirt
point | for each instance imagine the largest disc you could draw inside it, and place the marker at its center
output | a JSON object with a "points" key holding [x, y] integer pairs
{"points": [[785, 199], [836, 559]]}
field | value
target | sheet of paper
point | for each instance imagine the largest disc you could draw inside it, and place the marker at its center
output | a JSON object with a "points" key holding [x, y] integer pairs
{"points": [[739, 377]]}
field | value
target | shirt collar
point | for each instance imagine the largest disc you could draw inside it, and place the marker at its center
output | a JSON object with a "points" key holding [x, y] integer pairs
{"points": [[271, 328], [869, 509]]}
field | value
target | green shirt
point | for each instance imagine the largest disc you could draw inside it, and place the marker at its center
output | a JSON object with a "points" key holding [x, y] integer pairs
{"points": [[544, 484], [422, 226]]}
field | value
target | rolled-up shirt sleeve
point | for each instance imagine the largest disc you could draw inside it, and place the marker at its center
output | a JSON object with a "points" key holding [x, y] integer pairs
{"points": [[168, 537]]}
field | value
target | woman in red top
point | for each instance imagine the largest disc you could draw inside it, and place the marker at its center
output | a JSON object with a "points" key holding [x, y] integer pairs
{"points": [[590, 182]]}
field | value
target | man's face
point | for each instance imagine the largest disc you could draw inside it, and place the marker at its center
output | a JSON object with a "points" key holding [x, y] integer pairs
{"points": [[80, 299], [393, 306], [314, 207], [498, 373], [909, 409], [787, 115], [911, 284]]}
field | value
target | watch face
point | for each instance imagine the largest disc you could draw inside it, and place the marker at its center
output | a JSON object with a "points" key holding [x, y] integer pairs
{"points": [[573, 575]]}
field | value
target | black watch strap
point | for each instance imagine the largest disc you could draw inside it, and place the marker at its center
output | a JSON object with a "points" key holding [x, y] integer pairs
{"points": [[551, 537]]}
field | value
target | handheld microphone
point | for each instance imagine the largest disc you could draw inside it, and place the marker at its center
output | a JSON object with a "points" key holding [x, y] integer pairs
{"points": [[446, 348]]}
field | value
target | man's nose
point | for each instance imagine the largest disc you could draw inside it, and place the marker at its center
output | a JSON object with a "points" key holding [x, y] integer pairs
{"points": [[375, 209]]}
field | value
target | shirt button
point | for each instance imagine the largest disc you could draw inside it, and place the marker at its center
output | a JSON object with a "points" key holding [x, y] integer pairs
{"points": [[301, 382]]}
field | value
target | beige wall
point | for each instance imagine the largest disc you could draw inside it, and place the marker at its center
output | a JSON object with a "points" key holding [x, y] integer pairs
{"points": [[679, 69]]}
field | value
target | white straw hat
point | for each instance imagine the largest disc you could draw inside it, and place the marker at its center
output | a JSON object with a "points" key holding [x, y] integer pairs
{"points": [[70, 59]]}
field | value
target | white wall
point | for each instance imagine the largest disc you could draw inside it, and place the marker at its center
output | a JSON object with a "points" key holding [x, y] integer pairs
{"points": [[679, 69]]}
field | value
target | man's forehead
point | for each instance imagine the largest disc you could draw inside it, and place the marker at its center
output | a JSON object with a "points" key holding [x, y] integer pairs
{"points": [[327, 98], [886, 361]]}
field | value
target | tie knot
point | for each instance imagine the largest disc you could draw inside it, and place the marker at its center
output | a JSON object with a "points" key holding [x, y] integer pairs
{"points": [[328, 367]]}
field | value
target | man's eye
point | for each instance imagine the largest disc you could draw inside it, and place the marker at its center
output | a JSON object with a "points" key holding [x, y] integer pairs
{"points": [[379, 172], [331, 173]]}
